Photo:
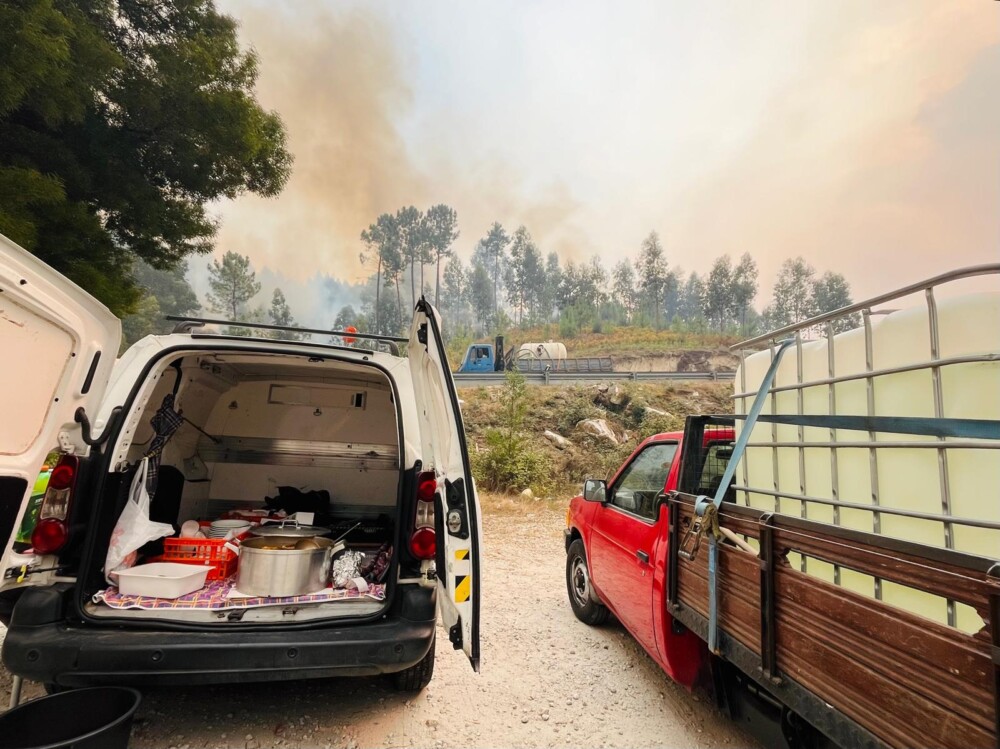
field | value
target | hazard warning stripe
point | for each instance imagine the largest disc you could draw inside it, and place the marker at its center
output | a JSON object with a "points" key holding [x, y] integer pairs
{"points": [[463, 588], [462, 554]]}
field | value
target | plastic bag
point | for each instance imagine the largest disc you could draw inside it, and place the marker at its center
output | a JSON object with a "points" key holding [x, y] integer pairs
{"points": [[134, 528]]}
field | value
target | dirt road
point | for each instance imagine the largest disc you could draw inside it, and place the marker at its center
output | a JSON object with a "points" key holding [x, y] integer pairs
{"points": [[547, 680]]}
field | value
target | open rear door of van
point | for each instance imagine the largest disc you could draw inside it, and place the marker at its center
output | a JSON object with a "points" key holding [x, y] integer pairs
{"points": [[442, 440], [58, 345]]}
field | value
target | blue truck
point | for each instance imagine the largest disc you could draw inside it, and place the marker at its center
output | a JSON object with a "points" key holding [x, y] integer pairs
{"points": [[550, 356]]}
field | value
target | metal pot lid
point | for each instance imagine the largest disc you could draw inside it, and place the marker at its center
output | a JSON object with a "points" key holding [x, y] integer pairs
{"points": [[289, 530]]}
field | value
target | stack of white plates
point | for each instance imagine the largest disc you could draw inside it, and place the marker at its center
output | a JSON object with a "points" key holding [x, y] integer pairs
{"points": [[228, 528]]}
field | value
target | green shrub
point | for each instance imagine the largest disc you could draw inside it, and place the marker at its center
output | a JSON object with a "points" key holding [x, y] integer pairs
{"points": [[635, 415], [575, 412], [509, 463]]}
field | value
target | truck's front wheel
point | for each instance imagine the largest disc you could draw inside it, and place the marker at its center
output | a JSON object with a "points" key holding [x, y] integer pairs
{"points": [[582, 598]]}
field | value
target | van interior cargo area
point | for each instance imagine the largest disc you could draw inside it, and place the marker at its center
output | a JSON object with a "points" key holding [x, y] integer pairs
{"points": [[269, 439]]}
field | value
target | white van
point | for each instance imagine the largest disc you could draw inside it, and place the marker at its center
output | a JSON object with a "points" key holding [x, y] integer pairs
{"points": [[377, 433]]}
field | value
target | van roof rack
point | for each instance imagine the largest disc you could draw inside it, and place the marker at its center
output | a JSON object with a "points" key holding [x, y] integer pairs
{"points": [[187, 324]]}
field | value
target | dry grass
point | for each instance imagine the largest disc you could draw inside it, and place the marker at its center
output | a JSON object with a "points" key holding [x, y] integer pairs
{"points": [[507, 505]]}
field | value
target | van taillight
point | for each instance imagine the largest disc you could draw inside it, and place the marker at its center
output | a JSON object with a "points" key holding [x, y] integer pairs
{"points": [[52, 531], [423, 542], [49, 536]]}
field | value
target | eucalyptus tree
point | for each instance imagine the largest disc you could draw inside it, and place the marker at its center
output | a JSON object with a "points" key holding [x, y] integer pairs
{"points": [[719, 293], [651, 272], [744, 289]]}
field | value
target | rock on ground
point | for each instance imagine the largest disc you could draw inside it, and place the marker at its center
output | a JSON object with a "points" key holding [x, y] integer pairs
{"points": [[557, 439], [599, 428]]}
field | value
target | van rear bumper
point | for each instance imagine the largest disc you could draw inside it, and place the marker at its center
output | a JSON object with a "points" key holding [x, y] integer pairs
{"points": [[76, 656]]}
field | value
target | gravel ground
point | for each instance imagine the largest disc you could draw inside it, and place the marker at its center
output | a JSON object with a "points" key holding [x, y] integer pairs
{"points": [[547, 680]]}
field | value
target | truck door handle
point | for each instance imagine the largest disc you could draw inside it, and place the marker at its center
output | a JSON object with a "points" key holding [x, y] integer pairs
{"points": [[642, 556]]}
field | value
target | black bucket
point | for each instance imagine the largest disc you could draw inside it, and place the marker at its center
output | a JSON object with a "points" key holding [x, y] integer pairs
{"points": [[93, 718]]}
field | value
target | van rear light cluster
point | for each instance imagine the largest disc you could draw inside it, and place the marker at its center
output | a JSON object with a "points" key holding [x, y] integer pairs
{"points": [[423, 540], [52, 529]]}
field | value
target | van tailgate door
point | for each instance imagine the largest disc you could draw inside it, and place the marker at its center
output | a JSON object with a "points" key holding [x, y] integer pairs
{"points": [[58, 345], [442, 439]]}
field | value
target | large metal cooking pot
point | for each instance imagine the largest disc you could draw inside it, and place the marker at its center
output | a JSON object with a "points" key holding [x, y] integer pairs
{"points": [[272, 566]]}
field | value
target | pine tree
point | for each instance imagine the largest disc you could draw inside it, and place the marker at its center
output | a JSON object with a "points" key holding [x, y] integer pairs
{"points": [[456, 292], [523, 266], [412, 245], [441, 231], [550, 288], [490, 254], [232, 284], [281, 314], [382, 246]]}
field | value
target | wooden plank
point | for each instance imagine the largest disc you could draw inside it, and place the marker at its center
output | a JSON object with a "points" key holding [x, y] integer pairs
{"points": [[941, 647], [876, 701], [906, 569], [908, 680], [928, 678]]}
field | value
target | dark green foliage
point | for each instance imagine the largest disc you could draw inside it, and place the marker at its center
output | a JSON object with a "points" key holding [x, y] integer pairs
{"points": [[163, 292], [119, 122], [831, 292]]}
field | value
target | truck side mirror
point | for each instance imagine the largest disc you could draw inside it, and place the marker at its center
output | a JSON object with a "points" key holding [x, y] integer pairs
{"points": [[595, 490]]}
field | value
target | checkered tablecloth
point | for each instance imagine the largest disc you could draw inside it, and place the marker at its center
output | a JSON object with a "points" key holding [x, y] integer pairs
{"points": [[215, 597]]}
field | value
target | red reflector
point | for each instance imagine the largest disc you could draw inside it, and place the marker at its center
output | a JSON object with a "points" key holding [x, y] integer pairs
{"points": [[426, 487], [49, 536], [423, 543], [62, 476]]}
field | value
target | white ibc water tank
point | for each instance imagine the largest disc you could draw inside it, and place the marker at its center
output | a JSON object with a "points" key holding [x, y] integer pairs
{"points": [[550, 350], [905, 478]]}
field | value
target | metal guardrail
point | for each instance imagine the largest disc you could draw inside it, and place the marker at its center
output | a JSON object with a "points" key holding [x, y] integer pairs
{"points": [[568, 378]]}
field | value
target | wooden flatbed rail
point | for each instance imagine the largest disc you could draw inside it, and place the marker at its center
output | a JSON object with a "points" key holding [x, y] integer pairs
{"points": [[862, 671]]}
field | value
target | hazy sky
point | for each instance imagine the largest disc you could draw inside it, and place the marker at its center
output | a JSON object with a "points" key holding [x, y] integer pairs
{"points": [[864, 136]]}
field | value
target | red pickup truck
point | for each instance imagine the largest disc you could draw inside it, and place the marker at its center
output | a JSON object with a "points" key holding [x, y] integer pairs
{"points": [[616, 546]]}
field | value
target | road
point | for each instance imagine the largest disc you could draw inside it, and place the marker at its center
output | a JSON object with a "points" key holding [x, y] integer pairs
{"points": [[547, 680], [567, 378]]}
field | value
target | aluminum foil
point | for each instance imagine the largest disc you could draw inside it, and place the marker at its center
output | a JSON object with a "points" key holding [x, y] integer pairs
{"points": [[346, 567]]}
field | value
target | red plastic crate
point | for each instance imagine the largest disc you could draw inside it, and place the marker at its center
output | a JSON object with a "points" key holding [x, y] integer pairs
{"points": [[208, 551]]}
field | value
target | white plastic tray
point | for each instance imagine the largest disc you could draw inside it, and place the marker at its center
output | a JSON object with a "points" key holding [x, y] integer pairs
{"points": [[162, 579]]}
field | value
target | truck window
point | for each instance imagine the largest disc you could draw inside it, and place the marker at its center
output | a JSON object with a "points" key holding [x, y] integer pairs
{"points": [[644, 478], [716, 459]]}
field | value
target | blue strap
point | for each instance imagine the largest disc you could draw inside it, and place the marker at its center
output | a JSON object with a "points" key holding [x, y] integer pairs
{"points": [[702, 503], [928, 426]]}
